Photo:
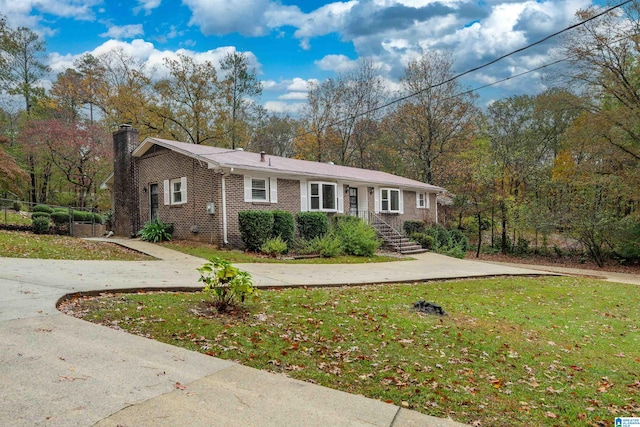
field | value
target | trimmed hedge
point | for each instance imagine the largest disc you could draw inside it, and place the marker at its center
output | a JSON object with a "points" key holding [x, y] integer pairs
{"points": [[256, 227], [284, 226], [40, 214], [60, 217], [423, 239], [312, 224], [40, 225], [42, 208]]}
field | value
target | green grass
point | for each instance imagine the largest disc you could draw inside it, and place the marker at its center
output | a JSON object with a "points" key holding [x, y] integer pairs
{"points": [[29, 245], [235, 256], [12, 217], [512, 351]]}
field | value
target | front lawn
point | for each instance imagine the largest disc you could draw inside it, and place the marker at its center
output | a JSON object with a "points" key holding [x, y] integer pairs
{"points": [[205, 251], [29, 245], [511, 351]]}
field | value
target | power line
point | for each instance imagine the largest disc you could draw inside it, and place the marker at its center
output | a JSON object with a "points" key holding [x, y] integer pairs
{"points": [[472, 70]]}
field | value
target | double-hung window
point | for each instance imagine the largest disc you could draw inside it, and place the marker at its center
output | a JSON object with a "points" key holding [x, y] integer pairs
{"points": [[175, 191], [390, 200], [422, 200], [259, 189], [323, 196]]}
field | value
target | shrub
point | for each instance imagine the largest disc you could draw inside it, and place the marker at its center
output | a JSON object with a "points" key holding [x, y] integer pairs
{"points": [[458, 239], [155, 231], [40, 215], [274, 247], [42, 208], [60, 217], [357, 237], [413, 226], [256, 228], [455, 251], [60, 209], [17, 206], [85, 216], [97, 218], [227, 285], [336, 220], [423, 239], [40, 225], [440, 236], [522, 246], [628, 247], [312, 224], [284, 226], [329, 246]]}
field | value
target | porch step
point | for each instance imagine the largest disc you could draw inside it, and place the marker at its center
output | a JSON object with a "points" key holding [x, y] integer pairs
{"points": [[395, 241]]}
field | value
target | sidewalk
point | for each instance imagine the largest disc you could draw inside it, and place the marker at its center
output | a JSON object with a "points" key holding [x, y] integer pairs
{"points": [[57, 370]]}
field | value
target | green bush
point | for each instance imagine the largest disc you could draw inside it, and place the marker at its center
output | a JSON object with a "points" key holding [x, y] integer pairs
{"points": [[458, 239], [42, 208], [40, 215], [256, 227], [414, 226], [274, 247], [97, 218], [60, 217], [336, 220], [60, 209], [356, 237], [440, 236], [284, 226], [227, 285], [40, 225], [628, 247], [329, 246], [312, 224], [155, 231], [17, 206], [454, 251], [522, 246], [423, 239]]}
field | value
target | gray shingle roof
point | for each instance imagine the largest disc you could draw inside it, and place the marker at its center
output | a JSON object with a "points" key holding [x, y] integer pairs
{"points": [[247, 161]]}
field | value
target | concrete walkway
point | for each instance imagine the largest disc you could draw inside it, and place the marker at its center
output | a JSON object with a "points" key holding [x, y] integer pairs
{"points": [[57, 370]]}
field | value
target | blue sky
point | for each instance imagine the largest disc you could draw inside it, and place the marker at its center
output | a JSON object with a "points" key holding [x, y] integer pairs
{"points": [[293, 42]]}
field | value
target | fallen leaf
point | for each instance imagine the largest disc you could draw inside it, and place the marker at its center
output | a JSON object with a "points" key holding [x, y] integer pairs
{"points": [[179, 386], [550, 415]]}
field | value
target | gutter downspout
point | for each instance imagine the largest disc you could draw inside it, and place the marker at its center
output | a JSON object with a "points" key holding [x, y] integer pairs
{"points": [[436, 203], [224, 210]]}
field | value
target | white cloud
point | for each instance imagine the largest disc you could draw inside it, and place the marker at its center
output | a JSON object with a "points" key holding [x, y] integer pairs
{"points": [[294, 96], [223, 17], [28, 13], [124, 31], [337, 63], [147, 6], [283, 107]]}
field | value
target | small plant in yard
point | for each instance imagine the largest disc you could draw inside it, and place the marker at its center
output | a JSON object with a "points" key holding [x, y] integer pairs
{"points": [[274, 247], [225, 283], [155, 231]]}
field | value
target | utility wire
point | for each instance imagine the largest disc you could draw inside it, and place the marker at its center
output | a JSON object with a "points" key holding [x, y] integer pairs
{"points": [[472, 70]]}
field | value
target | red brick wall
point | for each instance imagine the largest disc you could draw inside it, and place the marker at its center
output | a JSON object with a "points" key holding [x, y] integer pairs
{"points": [[288, 200], [203, 186]]}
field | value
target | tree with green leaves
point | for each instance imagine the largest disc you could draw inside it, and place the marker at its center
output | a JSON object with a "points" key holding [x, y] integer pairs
{"points": [[239, 84], [23, 67]]}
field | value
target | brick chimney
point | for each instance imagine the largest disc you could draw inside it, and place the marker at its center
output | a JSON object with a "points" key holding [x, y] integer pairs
{"points": [[126, 215]]}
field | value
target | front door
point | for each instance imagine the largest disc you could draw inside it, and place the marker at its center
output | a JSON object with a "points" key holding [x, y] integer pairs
{"points": [[153, 200], [353, 201]]}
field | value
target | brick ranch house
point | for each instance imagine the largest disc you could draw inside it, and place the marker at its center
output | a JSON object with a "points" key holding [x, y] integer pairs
{"points": [[200, 189]]}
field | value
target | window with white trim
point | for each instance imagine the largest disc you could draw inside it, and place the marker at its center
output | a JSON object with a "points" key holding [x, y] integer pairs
{"points": [[259, 189], [390, 200], [323, 196], [175, 191], [422, 200]]}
